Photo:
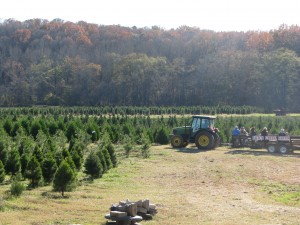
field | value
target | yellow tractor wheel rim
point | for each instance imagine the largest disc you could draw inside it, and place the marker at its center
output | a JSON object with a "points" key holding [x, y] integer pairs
{"points": [[203, 140], [176, 141]]}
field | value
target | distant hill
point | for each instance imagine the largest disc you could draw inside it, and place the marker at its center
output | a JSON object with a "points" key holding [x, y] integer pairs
{"points": [[65, 63]]}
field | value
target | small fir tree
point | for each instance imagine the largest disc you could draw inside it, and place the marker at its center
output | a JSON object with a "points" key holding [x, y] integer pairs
{"points": [[49, 167], [93, 166], [108, 161], [112, 154], [13, 164], [162, 136], [34, 172], [3, 153], [127, 145], [102, 159], [24, 163], [16, 188], [64, 178], [145, 147]]}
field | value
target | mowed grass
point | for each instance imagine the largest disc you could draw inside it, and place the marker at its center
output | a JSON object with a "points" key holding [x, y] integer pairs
{"points": [[221, 186]]}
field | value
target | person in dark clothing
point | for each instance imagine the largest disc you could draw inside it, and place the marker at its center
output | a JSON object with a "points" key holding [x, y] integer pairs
{"points": [[253, 131], [264, 132]]}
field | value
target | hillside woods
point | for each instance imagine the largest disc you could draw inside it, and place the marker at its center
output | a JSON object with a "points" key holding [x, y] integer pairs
{"points": [[64, 63]]}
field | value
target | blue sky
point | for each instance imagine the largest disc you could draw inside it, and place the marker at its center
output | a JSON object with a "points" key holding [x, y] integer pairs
{"points": [[218, 15]]}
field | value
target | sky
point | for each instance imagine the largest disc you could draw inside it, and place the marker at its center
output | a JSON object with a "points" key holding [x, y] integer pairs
{"points": [[217, 15]]}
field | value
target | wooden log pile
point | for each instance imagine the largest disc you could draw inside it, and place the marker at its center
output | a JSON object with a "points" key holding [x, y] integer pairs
{"points": [[131, 213]]}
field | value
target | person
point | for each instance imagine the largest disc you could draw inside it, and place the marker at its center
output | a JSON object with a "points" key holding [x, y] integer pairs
{"points": [[236, 131], [252, 131], [264, 132], [243, 131], [282, 132]]}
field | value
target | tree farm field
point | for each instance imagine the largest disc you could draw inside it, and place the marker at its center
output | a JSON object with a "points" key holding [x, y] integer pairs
{"points": [[188, 186]]}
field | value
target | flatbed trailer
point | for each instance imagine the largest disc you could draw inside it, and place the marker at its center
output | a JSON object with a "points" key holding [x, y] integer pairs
{"points": [[272, 142]]}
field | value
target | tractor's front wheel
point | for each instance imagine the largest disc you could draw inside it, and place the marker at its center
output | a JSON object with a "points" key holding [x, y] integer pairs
{"points": [[176, 141], [204, 140]]}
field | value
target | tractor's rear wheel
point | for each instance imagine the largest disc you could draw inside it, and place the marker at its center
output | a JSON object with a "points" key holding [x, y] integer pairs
{"points": [[204, 140], [177, 141]]}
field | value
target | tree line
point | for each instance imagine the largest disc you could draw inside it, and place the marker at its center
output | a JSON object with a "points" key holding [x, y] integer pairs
{"points": [[63, 63]]}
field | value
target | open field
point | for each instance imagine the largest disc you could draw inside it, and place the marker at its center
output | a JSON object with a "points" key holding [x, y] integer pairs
{"points": [[222, 186]]}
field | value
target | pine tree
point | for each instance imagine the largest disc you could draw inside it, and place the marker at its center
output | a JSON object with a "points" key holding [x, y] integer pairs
{"points": [[34, 172], [107, 158], [3, 153], [13, 164], [24, 163], [64, 178], [2, 172], [112, 154], [49, 167], [102, 159], [162, 136], [93, 166]]}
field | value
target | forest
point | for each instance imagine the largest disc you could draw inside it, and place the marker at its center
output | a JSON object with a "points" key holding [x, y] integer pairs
{"points": [[60, 63]]}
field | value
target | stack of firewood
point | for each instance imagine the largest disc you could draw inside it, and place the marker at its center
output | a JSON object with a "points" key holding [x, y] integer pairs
{"points": [[130, 213]]}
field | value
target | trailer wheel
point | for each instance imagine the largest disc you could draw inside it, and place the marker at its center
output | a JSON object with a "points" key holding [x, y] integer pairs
{"points": [[204, 140], [272, 148], [176, 141], [283, 149]]}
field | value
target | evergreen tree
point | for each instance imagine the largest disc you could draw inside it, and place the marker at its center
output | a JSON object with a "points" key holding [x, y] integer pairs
{"points": [[37, 152], [8, 126], [35, 127], [102, 159], [3, 153], [49, 167], [24, 163], [34, 172], [107, 158], [93, 166], [127, 145], [13, 164], [77, 159], [162, 136], [64, 178], [2, 172], [71, 163], [145, 146], [112, 154], [71, 131]]}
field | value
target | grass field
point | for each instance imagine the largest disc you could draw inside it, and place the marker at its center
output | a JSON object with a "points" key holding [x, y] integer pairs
{"points": [[221, 186]]}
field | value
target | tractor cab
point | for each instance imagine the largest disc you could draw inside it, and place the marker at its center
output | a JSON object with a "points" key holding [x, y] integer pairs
{"points": [[200, 122], [201, 132]]}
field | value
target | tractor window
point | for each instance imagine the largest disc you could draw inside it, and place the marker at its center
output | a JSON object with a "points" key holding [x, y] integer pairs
{"points": [[204, 123], [196, 124]]}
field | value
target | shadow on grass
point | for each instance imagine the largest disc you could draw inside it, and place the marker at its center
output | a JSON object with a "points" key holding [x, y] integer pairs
{"points": [[54, 195], [261, 153], [188, 149]]}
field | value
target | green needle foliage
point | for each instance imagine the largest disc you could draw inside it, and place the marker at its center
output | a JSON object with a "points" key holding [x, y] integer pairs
{"points": [[2, 172], [34, 172], [64, 179], [93, 166]]}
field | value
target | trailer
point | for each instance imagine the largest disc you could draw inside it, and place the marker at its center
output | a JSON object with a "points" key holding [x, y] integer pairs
{"points": [[272, 142]]}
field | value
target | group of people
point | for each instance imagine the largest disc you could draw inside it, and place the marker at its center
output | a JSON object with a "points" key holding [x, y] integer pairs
{"points": [[264, 131]]}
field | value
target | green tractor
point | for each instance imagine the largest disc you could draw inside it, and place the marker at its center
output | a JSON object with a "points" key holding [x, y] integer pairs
{"points": [[201, 132]]}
